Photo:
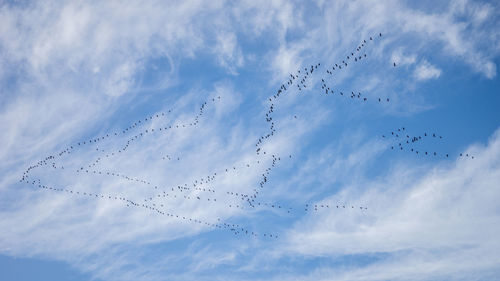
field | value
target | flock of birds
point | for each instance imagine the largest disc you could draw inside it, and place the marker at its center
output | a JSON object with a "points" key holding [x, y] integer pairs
{"points": [[409, 142], [202, 190]]}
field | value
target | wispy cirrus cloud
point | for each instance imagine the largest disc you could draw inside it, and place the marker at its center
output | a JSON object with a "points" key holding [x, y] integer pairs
{"points": [[73, 71], [422, 223], [426, 71]]}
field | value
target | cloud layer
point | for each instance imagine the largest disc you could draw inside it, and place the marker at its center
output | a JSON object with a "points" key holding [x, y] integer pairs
{"points": [[76, 71], [424, 223]]}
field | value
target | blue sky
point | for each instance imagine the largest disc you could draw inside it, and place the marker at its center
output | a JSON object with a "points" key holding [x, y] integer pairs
{"points": [[206, 73]]}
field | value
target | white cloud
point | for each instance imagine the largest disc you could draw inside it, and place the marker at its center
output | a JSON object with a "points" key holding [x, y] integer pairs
{"points": [[81, 61], [78, 63], [228, 53], [286, 61], [403, 59], [74, 228], [426, 71], [439, 224], [82, 221]]}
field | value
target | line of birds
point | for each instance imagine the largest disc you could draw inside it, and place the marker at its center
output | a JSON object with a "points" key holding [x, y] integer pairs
{"points": [[96, 140], [301, 84], [171, 192], [145, 132], [327, 206], [235, 228], [407, 142], [248, 198], [68, 150], [301, 79], [152, 206], [355, 56]]}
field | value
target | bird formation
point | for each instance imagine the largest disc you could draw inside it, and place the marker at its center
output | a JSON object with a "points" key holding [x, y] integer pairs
{"points": [[301, 78], [202, 190], [186, 191], [235, 228], [409, 142], [327, 206], [147, 204], [354, 56]]}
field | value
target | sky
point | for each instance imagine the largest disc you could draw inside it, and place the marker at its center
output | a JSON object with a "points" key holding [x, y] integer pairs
{"points": [[249, 140]]}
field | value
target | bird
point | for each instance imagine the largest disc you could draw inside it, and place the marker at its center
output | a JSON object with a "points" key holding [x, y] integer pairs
{"points": [[197, 184]]}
